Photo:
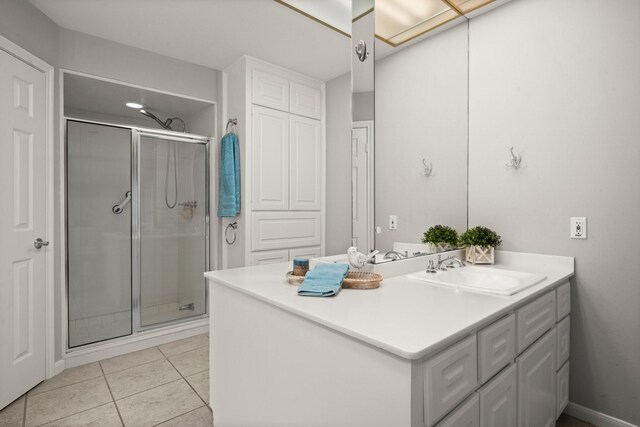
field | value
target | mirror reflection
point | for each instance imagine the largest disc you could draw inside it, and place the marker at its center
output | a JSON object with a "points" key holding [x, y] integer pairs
{"points": [[420, 104]]}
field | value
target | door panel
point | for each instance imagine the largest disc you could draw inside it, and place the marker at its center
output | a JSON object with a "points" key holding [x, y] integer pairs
{"points": [[270, 159], [22, 266], [306, 164]]}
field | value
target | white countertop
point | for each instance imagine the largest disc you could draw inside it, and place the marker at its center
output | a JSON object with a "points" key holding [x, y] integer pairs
{"points": [[406, 317]]}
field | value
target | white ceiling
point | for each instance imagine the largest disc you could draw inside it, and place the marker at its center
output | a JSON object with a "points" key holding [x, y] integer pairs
{"points": [[212, 33]]}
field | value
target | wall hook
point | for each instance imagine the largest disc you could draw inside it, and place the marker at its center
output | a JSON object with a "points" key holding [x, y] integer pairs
{"points": [[361, 50], [428, 168], [516, 159]]}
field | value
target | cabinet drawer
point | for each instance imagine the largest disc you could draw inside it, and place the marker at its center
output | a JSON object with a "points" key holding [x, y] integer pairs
{"points": [[496, 347], [449, 377], [314, 252], [269, 257], [563, 298], [281, 230], [499, 400], [534, 319], [269, 90], [466, 415], [563, 389], [564, 333], [305, 101], [537, 383]]}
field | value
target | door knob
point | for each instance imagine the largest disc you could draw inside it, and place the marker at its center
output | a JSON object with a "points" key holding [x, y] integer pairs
{"points": [[39, 243]]}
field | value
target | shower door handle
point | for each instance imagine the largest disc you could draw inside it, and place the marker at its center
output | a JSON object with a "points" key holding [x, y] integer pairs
{"points": [[117, 209]]}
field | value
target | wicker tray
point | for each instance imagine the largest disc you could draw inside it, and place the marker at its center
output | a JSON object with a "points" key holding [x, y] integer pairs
{"points": [[354, 280]]}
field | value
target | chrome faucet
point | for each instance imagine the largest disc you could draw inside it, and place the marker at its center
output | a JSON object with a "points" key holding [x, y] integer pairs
{"points": [[394, 255], [448, 262]]}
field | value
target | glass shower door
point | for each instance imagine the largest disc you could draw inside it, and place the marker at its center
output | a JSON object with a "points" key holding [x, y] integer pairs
{"points": [[98, 232], [172, 182]]}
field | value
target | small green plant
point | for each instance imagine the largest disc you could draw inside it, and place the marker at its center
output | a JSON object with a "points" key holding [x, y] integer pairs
{"points": [[480, 236], [441, 234]]}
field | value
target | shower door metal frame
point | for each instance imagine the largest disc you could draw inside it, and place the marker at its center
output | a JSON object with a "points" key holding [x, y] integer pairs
{"points": [[136, 243], [136, 133]]}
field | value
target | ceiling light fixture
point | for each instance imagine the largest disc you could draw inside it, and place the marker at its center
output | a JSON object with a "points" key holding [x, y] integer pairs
{"points": [[135, 105]]}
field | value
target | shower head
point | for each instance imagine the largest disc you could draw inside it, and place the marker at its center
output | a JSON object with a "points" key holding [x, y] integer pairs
{"points": [[165, 125]]}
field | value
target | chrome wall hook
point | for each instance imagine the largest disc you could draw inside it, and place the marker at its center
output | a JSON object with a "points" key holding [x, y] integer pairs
{"points": [[361, 50], [516, 159], [428, 168]]}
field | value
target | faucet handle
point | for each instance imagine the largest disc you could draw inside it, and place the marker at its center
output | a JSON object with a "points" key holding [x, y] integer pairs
{"points": [[431, 268]]}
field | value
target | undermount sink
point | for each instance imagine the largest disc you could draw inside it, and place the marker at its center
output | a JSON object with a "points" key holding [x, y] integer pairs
{"points": [[486, 280]]}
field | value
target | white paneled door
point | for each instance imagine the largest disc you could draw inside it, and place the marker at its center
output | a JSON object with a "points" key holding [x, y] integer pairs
{"points": [[22, 222], [362, 185]]}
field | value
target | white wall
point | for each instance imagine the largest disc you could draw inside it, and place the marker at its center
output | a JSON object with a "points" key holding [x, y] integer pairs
{"points": [[338, 183], [560, 81], [93, 55], [421, 112]]}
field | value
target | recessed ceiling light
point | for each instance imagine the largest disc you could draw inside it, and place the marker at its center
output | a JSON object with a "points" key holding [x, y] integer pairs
{"points": [[134, 105]]}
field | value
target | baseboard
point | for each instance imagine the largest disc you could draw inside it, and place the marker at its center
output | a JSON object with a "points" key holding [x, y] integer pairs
{"points": [[594, 417], [58, 367], [136, 342]]}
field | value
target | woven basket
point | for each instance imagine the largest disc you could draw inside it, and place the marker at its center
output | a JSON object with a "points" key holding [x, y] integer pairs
{"points": [[354, 280]]}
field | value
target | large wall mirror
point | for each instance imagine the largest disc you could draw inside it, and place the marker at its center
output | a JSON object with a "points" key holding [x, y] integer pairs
{"points": [[420, 133]]}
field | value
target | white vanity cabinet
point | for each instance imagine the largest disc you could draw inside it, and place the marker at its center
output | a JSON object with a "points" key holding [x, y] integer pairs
{"points": [[281, 130], [522, 375]]}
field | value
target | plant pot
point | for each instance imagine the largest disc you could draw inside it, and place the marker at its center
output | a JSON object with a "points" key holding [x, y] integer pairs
{"points": [[480, 254], [435, 248]]}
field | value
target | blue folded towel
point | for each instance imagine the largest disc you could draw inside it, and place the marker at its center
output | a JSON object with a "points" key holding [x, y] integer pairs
{"points": [[325, 280], [229, 191]]}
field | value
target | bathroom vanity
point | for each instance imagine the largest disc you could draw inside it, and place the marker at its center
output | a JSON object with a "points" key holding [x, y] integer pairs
{"points": [[409, 353]]}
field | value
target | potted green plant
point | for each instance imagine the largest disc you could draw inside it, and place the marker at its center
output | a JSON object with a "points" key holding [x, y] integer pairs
{"points": [[440, 238], [480, 243]]}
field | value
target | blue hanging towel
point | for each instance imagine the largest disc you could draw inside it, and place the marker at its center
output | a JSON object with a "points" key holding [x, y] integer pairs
{"points": [[229, 191]]}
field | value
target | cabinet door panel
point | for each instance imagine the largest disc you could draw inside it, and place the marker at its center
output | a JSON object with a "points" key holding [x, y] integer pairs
{"points": [[270, 90], [306, 163], [496, 347], [563, 389], [535, 318], [564, 331], [269, 257], [270, 159], [499, 400], [563, 298], [309, 253], [449, 377], [537, 383], [283, 230], [306, 101], [466, 415]]}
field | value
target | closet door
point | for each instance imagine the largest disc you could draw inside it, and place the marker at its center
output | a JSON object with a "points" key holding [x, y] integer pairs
{"points": [[306, 164], [270, 159]]}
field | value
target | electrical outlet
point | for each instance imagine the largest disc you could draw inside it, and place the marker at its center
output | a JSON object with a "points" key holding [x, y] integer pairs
{"points": [[578, 227], [393, 222]]}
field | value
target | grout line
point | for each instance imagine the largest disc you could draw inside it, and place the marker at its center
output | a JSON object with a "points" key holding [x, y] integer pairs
{"points": [[182, 352], [71, 415], [65, 385], [188, 383], [134, 366], [177, 416], [154, 387], [24, 411], [111, 394]]}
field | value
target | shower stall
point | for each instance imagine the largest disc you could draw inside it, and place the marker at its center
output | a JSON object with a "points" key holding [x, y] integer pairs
{"points": [[137, 229]]}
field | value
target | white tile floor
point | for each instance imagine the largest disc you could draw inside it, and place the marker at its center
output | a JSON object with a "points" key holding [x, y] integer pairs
{"points": [[166, 385]]}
